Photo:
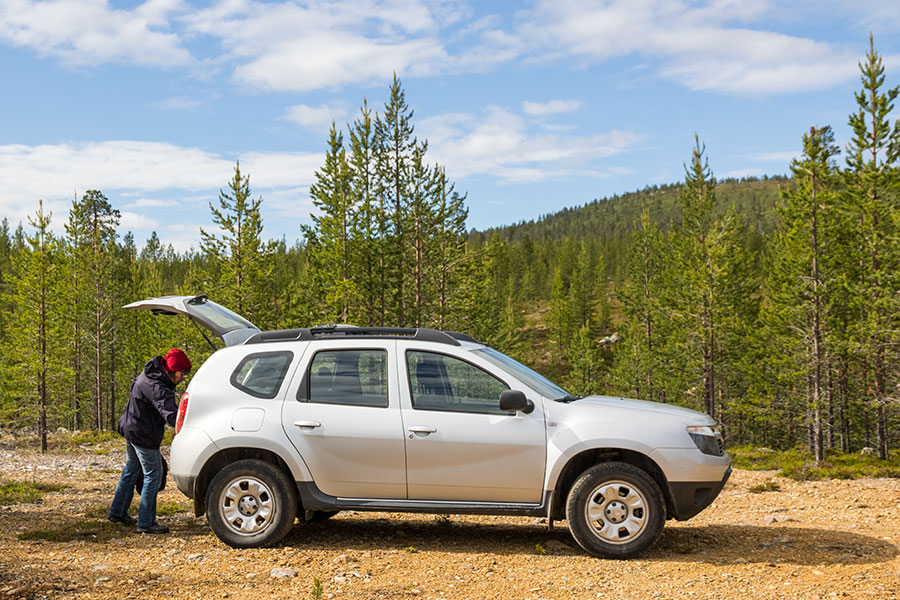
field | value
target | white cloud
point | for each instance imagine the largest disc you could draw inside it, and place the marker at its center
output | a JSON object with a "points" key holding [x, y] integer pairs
{"points": [[89, 32], [502, 144], [553, 107], [178, 103], [316, 118], [132, 220], [151, 203], [58, 172], [695, 44], [741, 173]]}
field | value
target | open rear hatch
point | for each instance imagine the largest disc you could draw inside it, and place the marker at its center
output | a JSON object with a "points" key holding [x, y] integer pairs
{"points": [[230, 326]]}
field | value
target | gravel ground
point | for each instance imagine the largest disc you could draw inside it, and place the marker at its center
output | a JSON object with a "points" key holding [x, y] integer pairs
{"points": [[831, 539]]}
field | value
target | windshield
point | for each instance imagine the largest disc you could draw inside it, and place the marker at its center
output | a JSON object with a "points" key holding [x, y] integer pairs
{"points": [[223, 319], [534, 380]]}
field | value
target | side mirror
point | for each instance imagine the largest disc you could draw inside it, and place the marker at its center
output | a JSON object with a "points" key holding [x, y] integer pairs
{"points": [[515, 400]]}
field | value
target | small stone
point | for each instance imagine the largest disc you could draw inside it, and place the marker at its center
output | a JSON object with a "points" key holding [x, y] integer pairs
{"points": [[282, 572], [783, 540], [740, 561], [768, 521], [340, 558], [778, 509], [102, 580], [817, 572], [165, 579], [100, 567], [858, 576], [338, 579], [195, 557], [785, 519]]}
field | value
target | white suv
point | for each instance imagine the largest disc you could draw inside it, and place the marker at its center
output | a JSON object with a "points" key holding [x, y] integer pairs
{"points": [[318, 420]]}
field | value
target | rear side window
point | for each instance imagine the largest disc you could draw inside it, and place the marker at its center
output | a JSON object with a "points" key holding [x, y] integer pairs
{"points": [[355, 377], [261, 374]]}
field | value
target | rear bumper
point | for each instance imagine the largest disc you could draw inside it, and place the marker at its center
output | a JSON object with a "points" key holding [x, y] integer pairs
{"points": [[185, 484], [691, 497]]}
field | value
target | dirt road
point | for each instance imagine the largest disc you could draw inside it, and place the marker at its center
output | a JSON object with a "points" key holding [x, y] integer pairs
{"points": [[834, 539]]}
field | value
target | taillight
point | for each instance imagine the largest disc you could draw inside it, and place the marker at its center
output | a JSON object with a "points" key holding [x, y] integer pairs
{"points": [[182, 409]]}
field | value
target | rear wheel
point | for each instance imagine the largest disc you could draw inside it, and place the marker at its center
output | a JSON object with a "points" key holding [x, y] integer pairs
{"points": [[615, 510], [251, 503]]}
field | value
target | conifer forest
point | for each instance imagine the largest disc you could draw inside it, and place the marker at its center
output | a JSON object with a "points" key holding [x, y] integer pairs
{"points": [[772, 304]]}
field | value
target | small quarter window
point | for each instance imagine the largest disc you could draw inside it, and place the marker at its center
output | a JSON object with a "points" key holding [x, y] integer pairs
{"points": [[356, 377], [260, 375]]}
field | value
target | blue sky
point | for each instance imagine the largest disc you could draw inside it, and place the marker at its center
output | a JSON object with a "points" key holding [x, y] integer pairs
{"points": [[530, 106]]}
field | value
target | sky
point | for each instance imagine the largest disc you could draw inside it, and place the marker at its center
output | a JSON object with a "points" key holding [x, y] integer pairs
{"points": [[530, 106]]}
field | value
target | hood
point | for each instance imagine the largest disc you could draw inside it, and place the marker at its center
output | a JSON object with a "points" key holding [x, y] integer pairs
{"points": [[685, 415]]}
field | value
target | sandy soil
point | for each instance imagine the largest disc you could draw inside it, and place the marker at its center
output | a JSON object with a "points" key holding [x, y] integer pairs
{"points": [[832, 539]]}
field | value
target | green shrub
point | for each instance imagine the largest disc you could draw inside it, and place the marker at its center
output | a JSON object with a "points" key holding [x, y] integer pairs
{"points": [[800, 465]]}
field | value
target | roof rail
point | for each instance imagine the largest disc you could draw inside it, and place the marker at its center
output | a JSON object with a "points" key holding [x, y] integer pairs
{"points": [[423, 334]]}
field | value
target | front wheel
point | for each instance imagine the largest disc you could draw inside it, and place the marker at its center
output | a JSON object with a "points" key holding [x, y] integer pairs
{"points": [[615, 510], [251, 503]]}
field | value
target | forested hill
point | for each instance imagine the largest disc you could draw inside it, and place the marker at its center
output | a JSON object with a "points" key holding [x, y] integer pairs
{"points": [[615, 218]]}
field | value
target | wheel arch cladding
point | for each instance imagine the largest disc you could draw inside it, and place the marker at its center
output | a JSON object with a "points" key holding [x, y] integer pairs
{"points": [[586, 459]]}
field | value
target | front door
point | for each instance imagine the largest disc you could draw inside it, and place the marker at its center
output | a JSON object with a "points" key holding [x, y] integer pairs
{"points": [[342, 416], [459, 444]]}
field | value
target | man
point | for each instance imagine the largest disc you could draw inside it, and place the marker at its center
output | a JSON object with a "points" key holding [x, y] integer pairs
{"points": [[151, 405]]}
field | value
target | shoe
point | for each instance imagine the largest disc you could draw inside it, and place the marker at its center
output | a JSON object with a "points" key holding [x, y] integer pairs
{"points": [[155, 528], [124, 519]]}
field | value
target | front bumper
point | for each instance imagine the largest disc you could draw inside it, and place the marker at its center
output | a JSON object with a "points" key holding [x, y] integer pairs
{"points": [[688, 498]]}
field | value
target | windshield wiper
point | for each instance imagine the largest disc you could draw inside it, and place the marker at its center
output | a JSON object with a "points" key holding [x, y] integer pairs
{"points": [[568, 398]]}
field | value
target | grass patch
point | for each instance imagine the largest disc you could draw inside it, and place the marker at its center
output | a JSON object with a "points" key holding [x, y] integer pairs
{"points": [[770, 485], [800, 465], [25, 492], [93, 531], [171, 507]]}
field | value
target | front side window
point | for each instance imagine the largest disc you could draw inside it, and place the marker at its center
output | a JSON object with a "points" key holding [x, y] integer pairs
{"points": [[441, 382], [357, 377], [261, 374]]}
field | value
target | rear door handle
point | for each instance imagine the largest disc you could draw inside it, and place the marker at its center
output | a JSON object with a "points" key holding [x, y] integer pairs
{"points": [[425, 430], [307, 424]]}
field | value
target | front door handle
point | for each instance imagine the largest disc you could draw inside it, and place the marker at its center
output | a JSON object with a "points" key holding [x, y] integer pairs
{"points": [[425, 430], [307, 424]]}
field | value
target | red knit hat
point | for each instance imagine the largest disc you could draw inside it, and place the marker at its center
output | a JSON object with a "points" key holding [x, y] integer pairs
{"points": [[176, 360]]}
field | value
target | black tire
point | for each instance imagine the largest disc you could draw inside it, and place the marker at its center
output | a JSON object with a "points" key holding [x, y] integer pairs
{"points": [[615, 510], [250, 504]]}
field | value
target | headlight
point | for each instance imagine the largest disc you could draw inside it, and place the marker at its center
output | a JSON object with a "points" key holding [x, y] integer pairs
{"points": [[708, 440]]}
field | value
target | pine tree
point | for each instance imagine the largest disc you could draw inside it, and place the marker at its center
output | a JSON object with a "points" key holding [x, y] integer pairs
{"points": [[369, 229], [239, 252], [799, 276], [328, 240], [92, 232], [35, 316], [713, 286], [394, 132], [872, 196]]}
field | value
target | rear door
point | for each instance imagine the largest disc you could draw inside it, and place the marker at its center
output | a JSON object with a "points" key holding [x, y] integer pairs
{"points": [[230, 326], [342, 415]]}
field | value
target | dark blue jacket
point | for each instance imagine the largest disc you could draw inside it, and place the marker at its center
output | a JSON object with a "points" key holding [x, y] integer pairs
{"points": [[150, 406]]}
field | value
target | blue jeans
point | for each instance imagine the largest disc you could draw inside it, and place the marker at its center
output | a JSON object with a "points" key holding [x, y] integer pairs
{"points": [[138, 459]]}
